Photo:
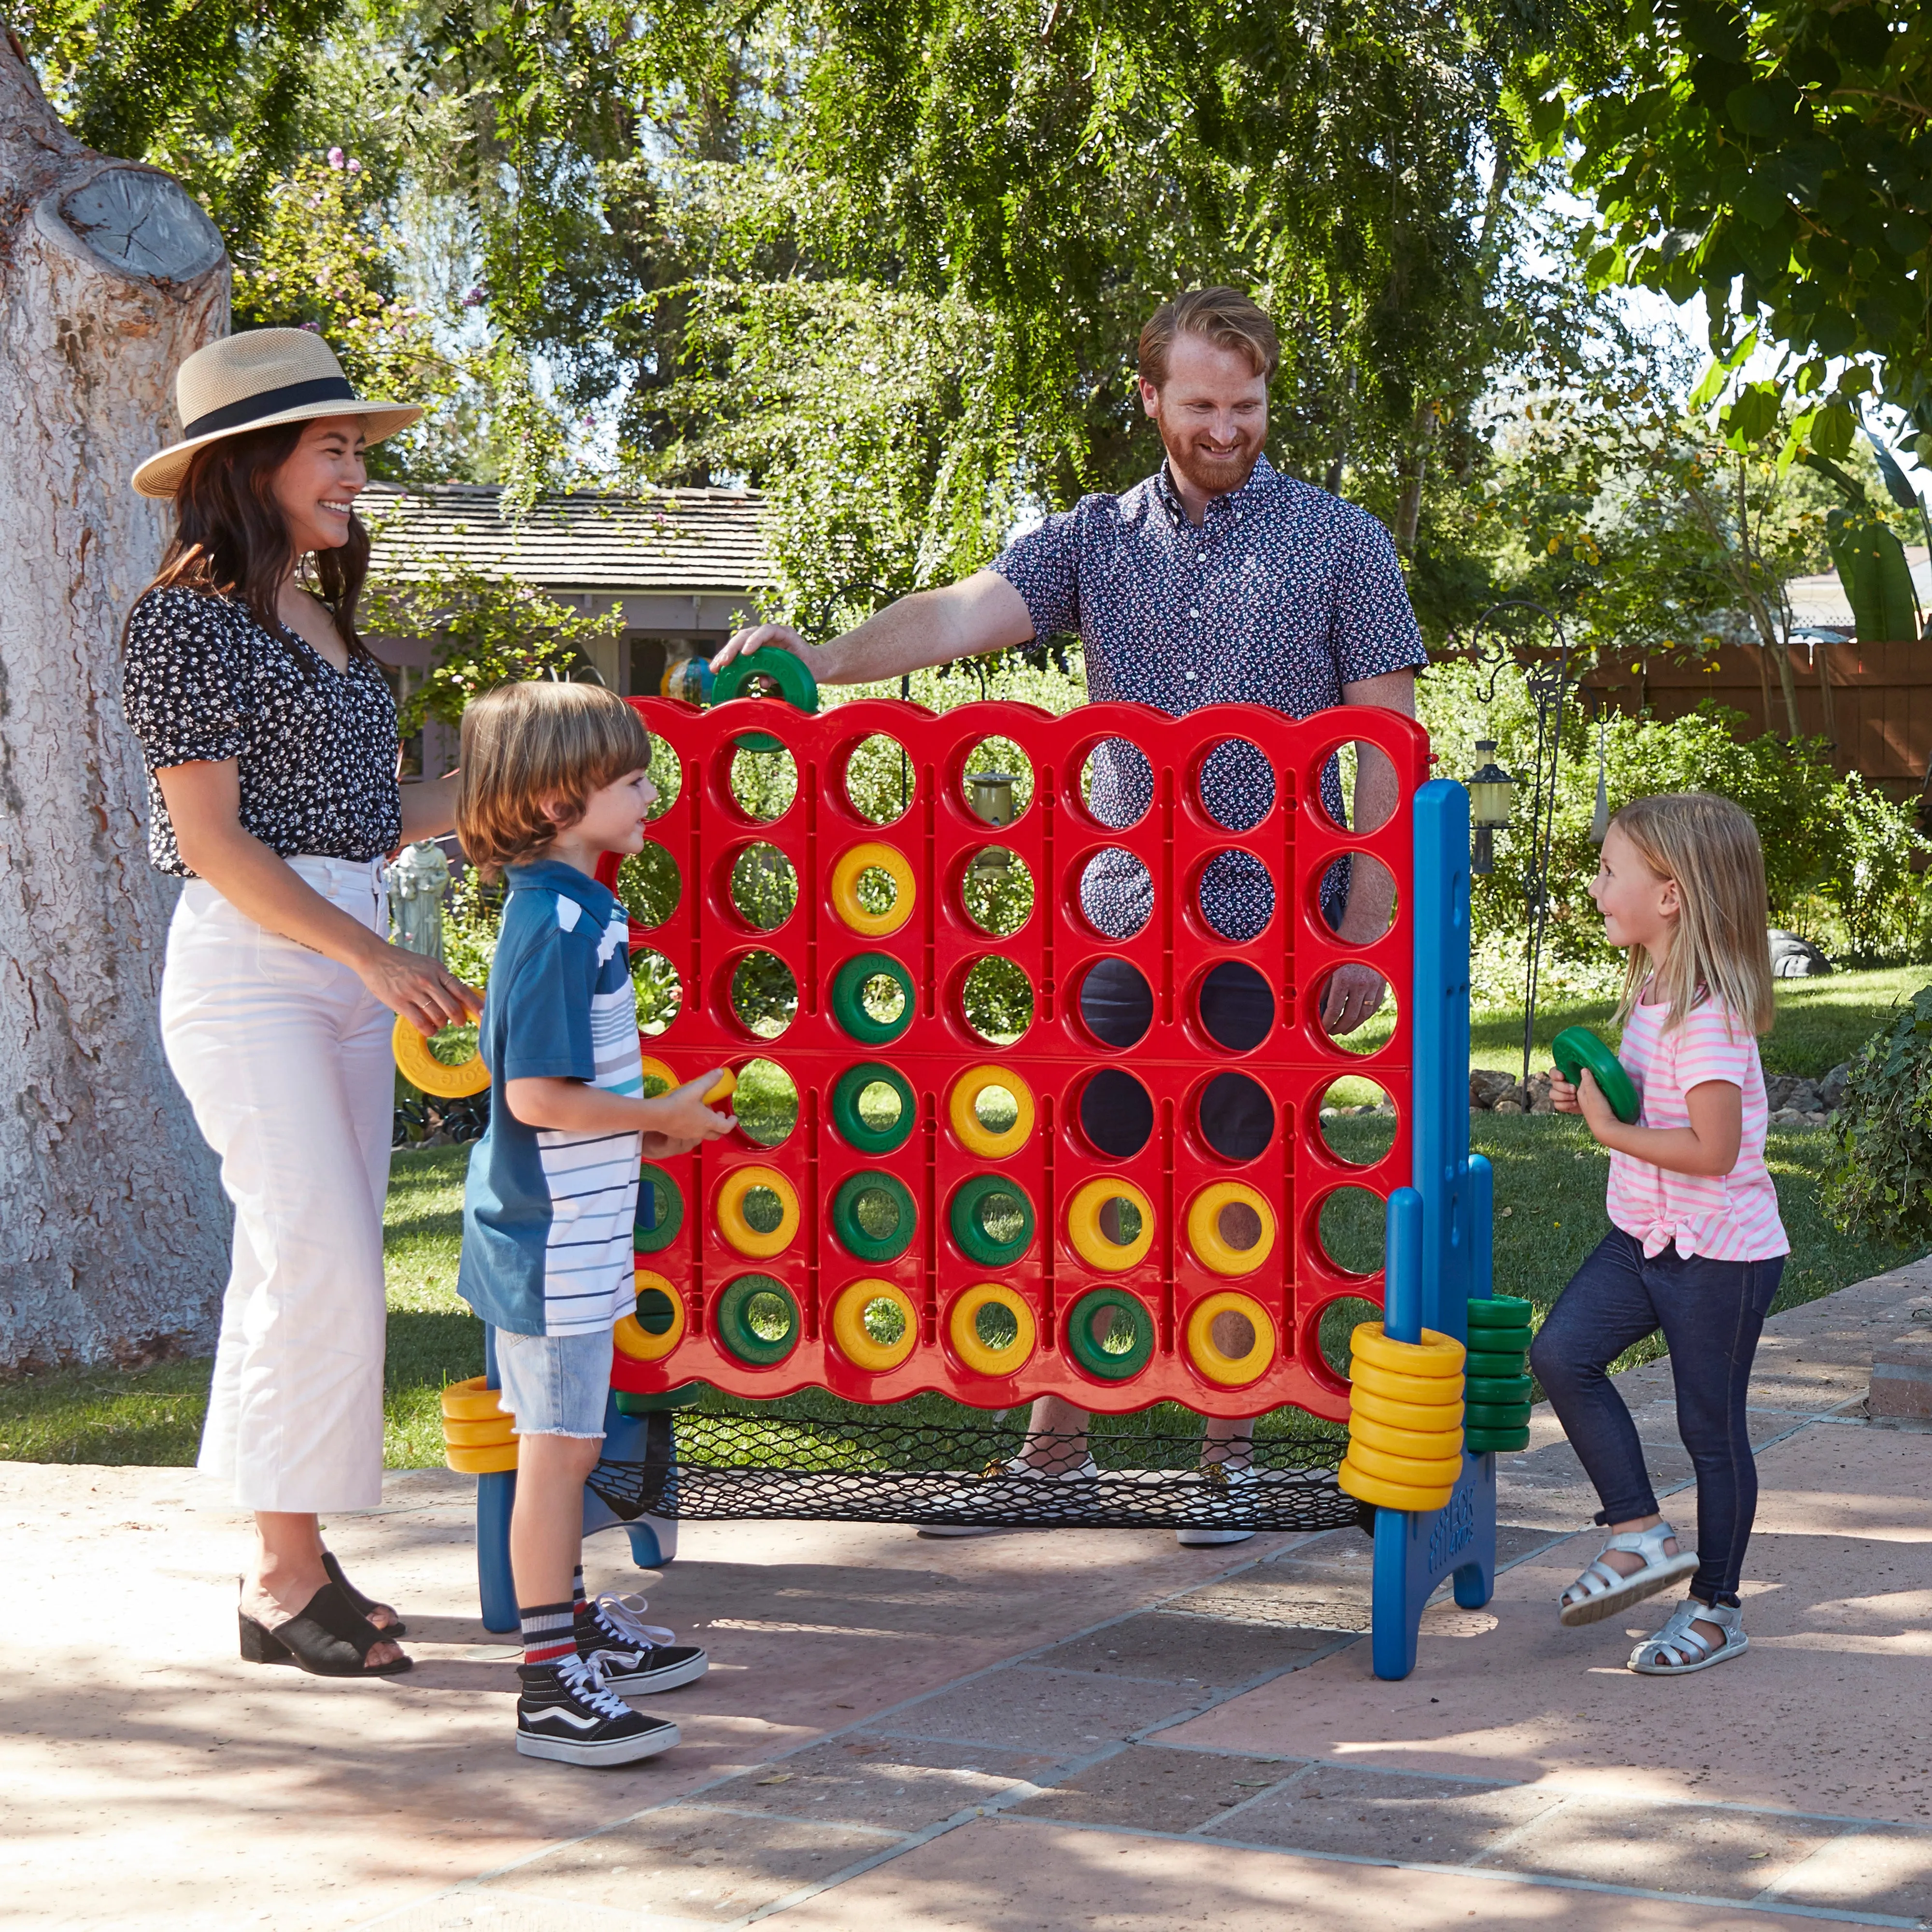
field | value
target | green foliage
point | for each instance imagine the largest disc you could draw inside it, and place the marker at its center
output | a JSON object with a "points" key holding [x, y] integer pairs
{"points": [[488, 630], [1880, 1187], [1871, 844], [1771, 154]]}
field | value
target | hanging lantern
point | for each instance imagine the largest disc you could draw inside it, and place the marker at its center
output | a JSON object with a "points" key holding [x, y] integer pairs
{"points": [[1492, 796], [991, 794]]}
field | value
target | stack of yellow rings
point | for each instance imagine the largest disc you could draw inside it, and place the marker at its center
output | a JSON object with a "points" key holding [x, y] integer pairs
{"points": [[1405, 1419], [477, 1436]]}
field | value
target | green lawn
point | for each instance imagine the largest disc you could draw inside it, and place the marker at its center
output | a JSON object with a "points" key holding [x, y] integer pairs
{"points": [[1549, 1214]]}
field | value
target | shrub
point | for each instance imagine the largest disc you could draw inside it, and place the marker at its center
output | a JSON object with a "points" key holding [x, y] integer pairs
{"points": [[1879, 1184]]}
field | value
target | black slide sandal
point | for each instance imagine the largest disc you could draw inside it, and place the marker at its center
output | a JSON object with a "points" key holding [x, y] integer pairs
{"points": [[361, 1605], [329, 1639]]}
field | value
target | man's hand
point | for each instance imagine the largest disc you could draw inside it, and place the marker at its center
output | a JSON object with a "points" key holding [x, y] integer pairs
{"points": [[758, 637], [1352, 995]]}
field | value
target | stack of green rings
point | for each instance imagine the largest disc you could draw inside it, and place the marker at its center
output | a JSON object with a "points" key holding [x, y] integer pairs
{"points": [[1495, 1394]]}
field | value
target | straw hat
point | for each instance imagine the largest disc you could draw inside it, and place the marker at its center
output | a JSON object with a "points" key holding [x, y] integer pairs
{"points": [[251, 381]]}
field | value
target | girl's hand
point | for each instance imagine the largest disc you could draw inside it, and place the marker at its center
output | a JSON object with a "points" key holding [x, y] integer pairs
{"points": [[427, 995], [1562, 1095], [681, 1115], [1599, 1116]]}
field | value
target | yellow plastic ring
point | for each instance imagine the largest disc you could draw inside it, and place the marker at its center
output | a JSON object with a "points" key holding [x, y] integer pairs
{"points": [[422, 1069], [634, 1340], [1425, 1390], [477, 1434], [1424, 1471], [1230, 1371], [738, 1232], [1083, 1226], [1410, 1442], [1435, 1354], [1425, 1418], [482, 1462], [1367, 1489], [962, 1330], [726, 1086], [961, 1106], [849, 1331], [1203, 1228], [845, 877], [470, 1401]]}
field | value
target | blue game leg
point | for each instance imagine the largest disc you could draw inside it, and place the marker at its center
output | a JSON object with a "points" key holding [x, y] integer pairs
{"points": [[653, 1539], [496, 1497]]}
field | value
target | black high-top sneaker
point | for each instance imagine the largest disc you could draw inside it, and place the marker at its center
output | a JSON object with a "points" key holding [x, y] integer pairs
{"points": [[634, 1657], [566, 1713]]}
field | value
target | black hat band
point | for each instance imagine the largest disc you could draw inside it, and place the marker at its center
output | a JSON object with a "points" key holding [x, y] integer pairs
{"points": [[251, 408]]}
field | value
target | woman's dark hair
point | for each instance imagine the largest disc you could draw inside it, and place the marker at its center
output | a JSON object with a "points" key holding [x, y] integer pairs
{"points": [[230, 540]]}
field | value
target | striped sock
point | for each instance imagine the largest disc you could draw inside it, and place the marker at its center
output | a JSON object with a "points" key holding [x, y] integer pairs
{"points": [[548, 1632], [579, 1603]]}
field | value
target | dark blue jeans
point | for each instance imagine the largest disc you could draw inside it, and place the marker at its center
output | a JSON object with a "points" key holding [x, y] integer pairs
{"points": [[1711, 1313]]}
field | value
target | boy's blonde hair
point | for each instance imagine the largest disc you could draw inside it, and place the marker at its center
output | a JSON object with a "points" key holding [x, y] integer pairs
{"points": [[1722, 948], [526, 745]]}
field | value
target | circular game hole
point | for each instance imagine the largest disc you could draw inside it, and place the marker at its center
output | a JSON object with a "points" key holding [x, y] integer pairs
{"points": [[1357, 1121], [1116, 783], [764, 995], [667, 775], [1335, 1328], [1236, 785], [880, 780], [883, 999], [766, 1102], [995, 1326], [1235, 1006], [1234, 1116], [996, 781], [996, 1000], [1002, 1218], [1331, 1008], [1119, 1221], [650, 885], [764, 887], [883, 1321], [1336, 786], [1116, 1003], [996, 1108], [1239, 1226], [1116, 893], [763, 785], [997, 891], [1116, 1114], [1355, 885], [1351, 1226], [659, 991], [877, 1214], [757, 1320], [1235, 896], [763, 1211], [876, 890]]}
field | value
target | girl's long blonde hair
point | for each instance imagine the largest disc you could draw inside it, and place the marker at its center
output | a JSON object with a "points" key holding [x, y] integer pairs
{"points": [[1721, 950]]}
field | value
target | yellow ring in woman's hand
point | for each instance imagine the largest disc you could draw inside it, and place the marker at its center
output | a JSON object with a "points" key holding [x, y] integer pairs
{"points": [[422, 1069]]}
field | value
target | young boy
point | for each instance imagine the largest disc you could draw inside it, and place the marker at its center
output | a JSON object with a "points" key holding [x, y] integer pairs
{"points": [[553, 775]]}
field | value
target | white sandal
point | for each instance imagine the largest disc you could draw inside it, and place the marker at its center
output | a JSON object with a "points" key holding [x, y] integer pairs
{"points": [[1602, 1591], [1680, 1648]]}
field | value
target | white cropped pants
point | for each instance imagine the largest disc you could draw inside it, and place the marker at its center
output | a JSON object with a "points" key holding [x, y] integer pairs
{"points": [[285, 1058]]}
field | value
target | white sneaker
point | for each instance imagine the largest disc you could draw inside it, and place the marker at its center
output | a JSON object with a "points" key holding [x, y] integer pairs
{"points": [[1014, 1472], [1220, 1476]]}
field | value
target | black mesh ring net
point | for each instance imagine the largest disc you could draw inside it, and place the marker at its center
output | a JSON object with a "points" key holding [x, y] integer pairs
{"points": [[987, 1473]]}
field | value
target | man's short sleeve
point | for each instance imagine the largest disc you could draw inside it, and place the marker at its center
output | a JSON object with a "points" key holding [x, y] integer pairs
{"points": [[1044, 567], [1376, 630], [1712, 1045], [542, 1026]]}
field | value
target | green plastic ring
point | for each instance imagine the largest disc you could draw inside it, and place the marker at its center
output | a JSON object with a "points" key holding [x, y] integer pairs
{"points": [[848, 1008], [793, 676], [648, 1240], [1577, 1048], [730, 1316], [853, 1127], [1496, 1415], [631, 1403], [1490, 1364], [1089, 1354], [1499, 1342], [851, 1233], [974, 1241], [1484, 1441], [1496, 1388], [1500, 1311]]}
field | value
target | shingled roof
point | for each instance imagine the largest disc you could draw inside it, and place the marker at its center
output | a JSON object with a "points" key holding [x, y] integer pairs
{"points": [[679, 541]]}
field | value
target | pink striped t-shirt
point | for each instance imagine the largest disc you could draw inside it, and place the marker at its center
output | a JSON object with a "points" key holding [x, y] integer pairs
{"points": [[1729, 1217]]}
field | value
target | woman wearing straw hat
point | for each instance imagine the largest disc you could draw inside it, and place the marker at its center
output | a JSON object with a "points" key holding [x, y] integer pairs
{"points": [[270, 743]]}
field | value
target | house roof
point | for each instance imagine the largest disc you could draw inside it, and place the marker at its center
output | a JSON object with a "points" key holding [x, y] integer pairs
{"points": [[676, 540]]}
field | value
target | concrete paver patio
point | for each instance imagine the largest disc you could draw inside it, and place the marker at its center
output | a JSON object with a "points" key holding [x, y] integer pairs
{"points": [[1091, 1728]]}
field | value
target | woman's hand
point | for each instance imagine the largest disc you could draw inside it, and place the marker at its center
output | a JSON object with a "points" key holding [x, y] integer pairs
{"points": [[425, 993]]}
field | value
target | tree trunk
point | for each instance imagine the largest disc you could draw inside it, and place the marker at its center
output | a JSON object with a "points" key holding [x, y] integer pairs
{"points": [[113, 1229]]}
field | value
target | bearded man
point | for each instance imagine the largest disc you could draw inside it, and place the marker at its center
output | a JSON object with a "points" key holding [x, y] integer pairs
{"points": [[1216, 580]]}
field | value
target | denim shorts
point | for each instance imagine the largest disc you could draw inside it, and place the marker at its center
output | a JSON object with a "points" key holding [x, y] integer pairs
{"points": [[554, 1384]]}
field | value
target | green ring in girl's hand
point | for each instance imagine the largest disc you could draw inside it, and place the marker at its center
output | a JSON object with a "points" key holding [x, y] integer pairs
{"points": [[1576, 1049]]}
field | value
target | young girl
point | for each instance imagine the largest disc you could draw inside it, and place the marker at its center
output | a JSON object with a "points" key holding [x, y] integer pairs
{"points": [[1697, 1247]]}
